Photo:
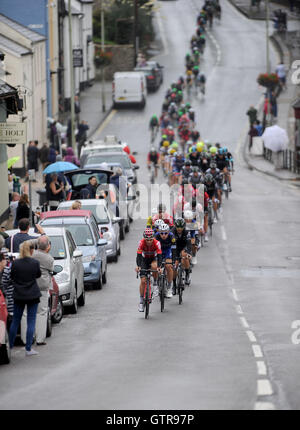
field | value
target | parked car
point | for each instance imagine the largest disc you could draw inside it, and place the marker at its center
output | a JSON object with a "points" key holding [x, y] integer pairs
{"points": [[96, 148], [158, 68], [83, 228], [113, 159], [129, 88], [4, 342], [152, 75], [108, 224], [79, 178], [70, 279]]}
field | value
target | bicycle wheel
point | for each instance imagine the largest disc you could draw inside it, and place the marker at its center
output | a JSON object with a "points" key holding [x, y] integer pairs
{"points": [[162, 293], [179, 287], [147, 299]]}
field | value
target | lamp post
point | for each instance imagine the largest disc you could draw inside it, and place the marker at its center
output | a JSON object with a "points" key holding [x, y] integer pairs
{"points": [[267, 35], [135, 30]]}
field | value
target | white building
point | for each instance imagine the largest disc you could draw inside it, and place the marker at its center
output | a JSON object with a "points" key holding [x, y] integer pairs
{"points": [[25, 64]]}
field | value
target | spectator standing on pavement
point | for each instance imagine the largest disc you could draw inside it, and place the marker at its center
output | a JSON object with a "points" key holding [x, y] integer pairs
{"points": [[41, 254], [54, 135], [77, 109], [252, 132], [12, 243], [51, 155], [23, 208], [81, 135], [24, 273], [13, 207], [281, 73], [43, 155], [71, 157], [273, 102], [252, 114], [56, 190], [32, 157]]}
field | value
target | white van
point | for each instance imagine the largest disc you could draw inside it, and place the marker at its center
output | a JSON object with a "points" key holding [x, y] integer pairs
{"points": [[129, 87]]}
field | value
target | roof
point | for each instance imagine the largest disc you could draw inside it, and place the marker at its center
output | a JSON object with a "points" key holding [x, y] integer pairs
{"points": [[7, 44], [22, 29], [66, 213], [7, 90]]}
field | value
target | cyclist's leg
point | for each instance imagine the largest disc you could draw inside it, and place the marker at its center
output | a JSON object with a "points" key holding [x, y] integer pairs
{"points": [[154, 267]]}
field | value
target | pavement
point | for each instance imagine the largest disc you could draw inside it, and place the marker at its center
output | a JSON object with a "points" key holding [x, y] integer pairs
{"points": [[288, 50]]}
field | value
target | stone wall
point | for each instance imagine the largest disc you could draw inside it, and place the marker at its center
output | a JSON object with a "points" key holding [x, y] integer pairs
{"points": [[122, 61]]}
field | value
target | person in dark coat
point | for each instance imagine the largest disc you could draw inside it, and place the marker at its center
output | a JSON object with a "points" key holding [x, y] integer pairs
{"points": [[81, 135], [23, 208], [52, 155], [252, 114], [12, 243], [24, 273], [32, 157], [43, 155]]}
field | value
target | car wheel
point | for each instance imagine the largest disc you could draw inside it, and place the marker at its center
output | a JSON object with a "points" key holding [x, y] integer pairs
{"points": [[5, 352], [81, 299], [122, 231], [119, 249], [49, 323], [98, 284], [104, 277], [57, 317], [127, 228], [74, 306]]}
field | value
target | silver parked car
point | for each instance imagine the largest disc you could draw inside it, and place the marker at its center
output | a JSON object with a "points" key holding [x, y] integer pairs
{"points": [[108, 224], [69, 257]]}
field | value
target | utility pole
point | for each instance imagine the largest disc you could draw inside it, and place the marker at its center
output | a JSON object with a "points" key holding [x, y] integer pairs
{"points": [[135, 30], [102, 49], [71, 81]]}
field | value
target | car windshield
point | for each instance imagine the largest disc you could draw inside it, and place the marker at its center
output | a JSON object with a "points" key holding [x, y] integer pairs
{"points": [[57, 250], [109, 158], [99, 212], [81, 233], [80, 179]]}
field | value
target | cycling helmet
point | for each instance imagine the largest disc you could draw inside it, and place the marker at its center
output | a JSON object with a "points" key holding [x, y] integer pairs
{"points": [[213, 150], [188, 105], [221, 151], [188, 214], [166, 143], [193, 149], [148, 233], [189, 142], [164, 136], [199, 146], [179, 223], [154, 117], [152, 149], [161, 207], [174, 153], [213, 166], [164, 228], [174, 145], [171, 151], [225, 150], [195, 169], [158, 223], [208, 178], [187, 163]]}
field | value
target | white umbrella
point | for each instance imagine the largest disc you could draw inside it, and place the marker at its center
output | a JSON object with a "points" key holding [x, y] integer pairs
{"points": [[275, 138]]}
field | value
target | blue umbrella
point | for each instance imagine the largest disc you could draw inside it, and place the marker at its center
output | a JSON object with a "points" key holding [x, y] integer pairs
{"points": [[59, 166]]}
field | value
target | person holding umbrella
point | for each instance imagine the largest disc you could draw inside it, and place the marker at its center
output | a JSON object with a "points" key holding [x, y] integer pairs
{"points": [[56, 190]]}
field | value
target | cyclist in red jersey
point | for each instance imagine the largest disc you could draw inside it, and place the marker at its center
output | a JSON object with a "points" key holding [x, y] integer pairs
{"points": [[162, 214], [149, 256]]}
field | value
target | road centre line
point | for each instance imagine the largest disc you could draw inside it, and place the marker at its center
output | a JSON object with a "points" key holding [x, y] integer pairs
{"points": [[234, 293], [223, 231], [257, 351], [239, 309], [251, 336], [244, 322], [261, 368], [264, 406], [264, 387]]}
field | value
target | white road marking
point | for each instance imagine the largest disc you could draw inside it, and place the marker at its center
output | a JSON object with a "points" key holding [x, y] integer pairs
{"points": [[107, 120], [214, 41], [239, 309], [234, 293], [244, 322], [251, 336], [264, 387], [223, 231], [257, 351], [261, 368], [264, 406]]}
